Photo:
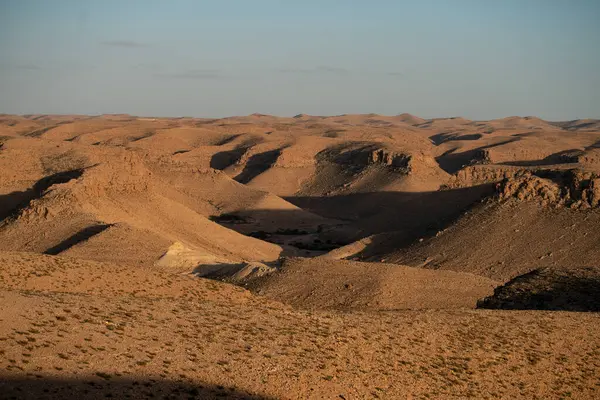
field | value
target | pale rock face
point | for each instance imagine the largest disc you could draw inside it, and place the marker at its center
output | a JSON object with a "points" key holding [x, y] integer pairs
{"points": [[182, 258]]}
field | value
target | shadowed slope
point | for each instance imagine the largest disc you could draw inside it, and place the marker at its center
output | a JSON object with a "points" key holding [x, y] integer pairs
{"points": [[81, 236], [414, 214], [566, 289], [504, 240], [103, 386], [13, 202]]}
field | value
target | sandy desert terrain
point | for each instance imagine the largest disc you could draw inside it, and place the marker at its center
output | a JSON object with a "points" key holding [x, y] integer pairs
{"points": [[263, 257]]}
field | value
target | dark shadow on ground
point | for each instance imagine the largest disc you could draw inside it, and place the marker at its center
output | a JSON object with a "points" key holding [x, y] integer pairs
{"points": [[146, 135], [451, 136], [14, 202], [217, 270], [79, 237], [105, 386], [593, 146], [224, 159], [227, 140], [335, 221], [296, 231], [568, 289], [40, 131], [562, 157], [452, 162], [257, 164], [575, 125], [414, 213]]}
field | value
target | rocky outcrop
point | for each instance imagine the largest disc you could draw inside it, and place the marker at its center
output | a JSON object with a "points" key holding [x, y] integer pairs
{"points": [[481, 174], [571, 188], [204, 264], [389, 159], [367, 154]]}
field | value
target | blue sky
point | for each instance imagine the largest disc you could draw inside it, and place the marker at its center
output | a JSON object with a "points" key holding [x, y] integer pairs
{"points": [[475, 58]]}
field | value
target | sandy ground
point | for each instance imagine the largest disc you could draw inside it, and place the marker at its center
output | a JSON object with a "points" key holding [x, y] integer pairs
{"points": [[345, 257], [75, 328]]}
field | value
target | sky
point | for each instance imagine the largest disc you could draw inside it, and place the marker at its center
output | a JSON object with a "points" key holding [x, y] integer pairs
{"points": [[479, 59]]}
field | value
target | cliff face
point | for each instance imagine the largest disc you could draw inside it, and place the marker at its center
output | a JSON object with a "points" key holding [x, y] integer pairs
{"points": [[571, 188]]}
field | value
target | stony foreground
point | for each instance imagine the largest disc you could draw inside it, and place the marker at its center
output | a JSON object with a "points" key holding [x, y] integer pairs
{"points": [[67, 332]]}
